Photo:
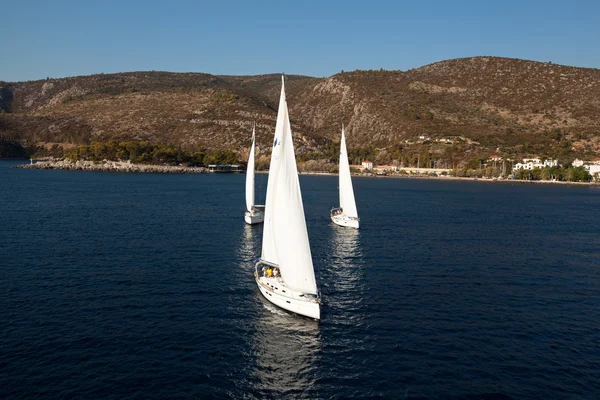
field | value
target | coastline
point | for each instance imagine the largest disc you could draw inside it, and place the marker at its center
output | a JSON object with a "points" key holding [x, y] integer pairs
{"points": [[120, 166], [455, 178], [112, 166]]}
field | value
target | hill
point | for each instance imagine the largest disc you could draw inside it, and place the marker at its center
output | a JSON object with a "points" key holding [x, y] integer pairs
{"points": [[452, 111]]}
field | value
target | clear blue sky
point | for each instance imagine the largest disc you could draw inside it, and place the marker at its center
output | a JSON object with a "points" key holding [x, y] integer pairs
{"points": [[40, 39]]}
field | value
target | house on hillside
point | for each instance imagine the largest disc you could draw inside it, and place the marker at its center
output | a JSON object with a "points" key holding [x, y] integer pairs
{"points": [[531, 163], [367, 164], [593, 167], [581, 163], [386, 168]]}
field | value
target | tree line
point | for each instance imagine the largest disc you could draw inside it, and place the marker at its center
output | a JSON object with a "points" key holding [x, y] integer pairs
{"points": [[146, 152], [324, 159], [568, 173]]}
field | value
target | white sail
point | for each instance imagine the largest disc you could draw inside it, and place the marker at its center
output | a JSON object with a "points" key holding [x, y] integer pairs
{"points": [[269, 252], [347, 202], [285, 238], [250, 177]]}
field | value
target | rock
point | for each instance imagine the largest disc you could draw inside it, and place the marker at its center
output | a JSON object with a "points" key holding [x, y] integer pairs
{"points": [[112, 167]]}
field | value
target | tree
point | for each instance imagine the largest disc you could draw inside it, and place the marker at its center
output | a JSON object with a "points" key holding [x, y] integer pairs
{"points": [[577, 174], [555, 134], [546, 173]]}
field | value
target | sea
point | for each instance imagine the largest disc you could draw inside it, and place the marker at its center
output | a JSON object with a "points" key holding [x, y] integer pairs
{"points": [[140, 286]]}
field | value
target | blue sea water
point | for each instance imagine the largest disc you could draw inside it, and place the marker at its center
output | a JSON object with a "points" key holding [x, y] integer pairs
{"points": [[140, 286]]}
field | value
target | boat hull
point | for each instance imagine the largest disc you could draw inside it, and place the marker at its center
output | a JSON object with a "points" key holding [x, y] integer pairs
{"points": [[272, 289], [254, 217], [344, 220]]}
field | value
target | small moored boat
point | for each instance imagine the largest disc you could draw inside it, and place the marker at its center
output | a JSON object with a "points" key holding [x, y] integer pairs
{"points": [[346, 214], [254, 214]]}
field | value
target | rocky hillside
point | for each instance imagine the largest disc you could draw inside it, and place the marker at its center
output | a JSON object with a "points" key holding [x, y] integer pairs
{"points": [[185, 109], [476, 106], [493, 101]]}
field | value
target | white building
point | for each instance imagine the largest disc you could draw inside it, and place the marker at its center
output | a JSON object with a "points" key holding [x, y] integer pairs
{"points": [[367, 164], [385, 168], [531, 163], [527, 165], [495, 158], [593, 167]]}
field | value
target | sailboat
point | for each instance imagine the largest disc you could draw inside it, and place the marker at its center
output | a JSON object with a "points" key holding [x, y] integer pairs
{"points": [[284, 273], [254, 214], [345, 214]]}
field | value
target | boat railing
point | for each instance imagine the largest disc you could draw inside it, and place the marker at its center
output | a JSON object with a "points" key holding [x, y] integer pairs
{"points": [[264, 262], [284, 290]]}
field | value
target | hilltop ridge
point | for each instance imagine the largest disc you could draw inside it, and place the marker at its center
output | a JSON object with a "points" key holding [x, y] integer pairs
{"points": [[455, 109]]}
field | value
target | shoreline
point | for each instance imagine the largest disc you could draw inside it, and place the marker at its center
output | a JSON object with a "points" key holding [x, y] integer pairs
{"points": [[455, 178], [120, 166], [112, 166]]}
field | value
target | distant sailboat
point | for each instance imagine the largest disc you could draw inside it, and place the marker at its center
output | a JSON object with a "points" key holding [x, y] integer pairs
{"points": [[345, 214], [284, 274], [254, 214]]}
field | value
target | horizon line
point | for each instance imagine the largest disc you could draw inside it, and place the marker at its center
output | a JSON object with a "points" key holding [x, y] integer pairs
{"points": [[298, 75]]}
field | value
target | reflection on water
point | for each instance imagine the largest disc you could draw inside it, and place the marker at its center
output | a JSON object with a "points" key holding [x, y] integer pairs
{"points": [[249, 249], [345, 314], [345, 246], [345, 271], [284, 347], [286, 350]]}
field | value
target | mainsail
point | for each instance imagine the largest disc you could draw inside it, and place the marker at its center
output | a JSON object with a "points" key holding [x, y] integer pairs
{"points": [[347, 202], [268, 245], [285, 237], [250, 177]]}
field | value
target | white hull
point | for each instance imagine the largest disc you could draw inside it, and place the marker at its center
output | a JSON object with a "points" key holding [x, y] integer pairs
{"points": [[344, 220], [255, 216], [277, 293]]}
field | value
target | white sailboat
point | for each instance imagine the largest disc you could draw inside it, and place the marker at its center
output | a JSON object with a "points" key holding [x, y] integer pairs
{"points": [[345, 214], [254, 214], [284, 274]]}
